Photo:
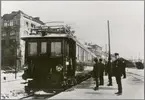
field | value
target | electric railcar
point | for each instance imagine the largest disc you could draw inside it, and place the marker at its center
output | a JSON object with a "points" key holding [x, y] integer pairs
{"points": [[55, 59]]}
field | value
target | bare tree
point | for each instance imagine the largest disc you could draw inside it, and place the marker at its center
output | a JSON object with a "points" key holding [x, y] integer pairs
{"points": [[11, 49]]}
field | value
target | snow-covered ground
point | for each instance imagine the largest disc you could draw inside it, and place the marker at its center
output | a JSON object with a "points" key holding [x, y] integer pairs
{"points": [[12, 88], [135, 71], [10, 76], [132, 89]]}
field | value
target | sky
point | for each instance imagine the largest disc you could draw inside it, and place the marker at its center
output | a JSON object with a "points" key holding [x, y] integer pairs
{"points": [[89, 20]]}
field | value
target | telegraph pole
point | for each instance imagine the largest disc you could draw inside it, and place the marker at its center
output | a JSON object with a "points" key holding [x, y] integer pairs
{"points": [[109, 58]]}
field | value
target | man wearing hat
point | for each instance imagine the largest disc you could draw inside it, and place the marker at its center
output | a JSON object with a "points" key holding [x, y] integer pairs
{"points": [[96, 73], [118, 73]]}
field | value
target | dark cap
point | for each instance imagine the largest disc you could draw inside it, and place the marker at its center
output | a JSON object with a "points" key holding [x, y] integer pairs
{"points": [[116, 54], [95, 59], [100, 59]]}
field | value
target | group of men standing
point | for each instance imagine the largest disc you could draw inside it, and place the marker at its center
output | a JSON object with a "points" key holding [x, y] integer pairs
{"points": [[115, 68]]}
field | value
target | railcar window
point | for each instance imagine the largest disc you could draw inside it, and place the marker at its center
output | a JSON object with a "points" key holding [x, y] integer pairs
{"points": [[82, 56], [86, 56], [32, 48], [55, 48], [77, 51], [43, 47], [67, 49]]}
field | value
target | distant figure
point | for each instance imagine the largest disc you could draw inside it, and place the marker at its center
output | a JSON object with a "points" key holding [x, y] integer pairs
{"points": [[118, 73], [4, 78], [124, 67], [101, 73], [96, 73]]}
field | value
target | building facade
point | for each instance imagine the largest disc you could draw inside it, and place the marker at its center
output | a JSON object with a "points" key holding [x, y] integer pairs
{"points": [[96, 49], [14, 26]]}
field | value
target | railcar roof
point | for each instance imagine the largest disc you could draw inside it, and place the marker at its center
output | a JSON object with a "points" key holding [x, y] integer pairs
{"points": [[58, 35], [46, 36]]}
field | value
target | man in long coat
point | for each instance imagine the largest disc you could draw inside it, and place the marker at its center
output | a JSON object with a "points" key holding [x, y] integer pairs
{"points": [[96, 73], [118, 73]]}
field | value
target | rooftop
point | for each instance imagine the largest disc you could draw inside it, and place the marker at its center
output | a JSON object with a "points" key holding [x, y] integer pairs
{"points": [[14, 13]]}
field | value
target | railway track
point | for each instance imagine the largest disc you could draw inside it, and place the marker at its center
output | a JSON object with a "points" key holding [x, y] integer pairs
{"points": [[38, 96], [44, 96]]}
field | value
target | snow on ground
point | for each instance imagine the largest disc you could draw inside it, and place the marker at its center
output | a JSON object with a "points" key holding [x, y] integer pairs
{"points": [[85, 91], [132, 89], [136, 71], [12, 88], [10, 76]]}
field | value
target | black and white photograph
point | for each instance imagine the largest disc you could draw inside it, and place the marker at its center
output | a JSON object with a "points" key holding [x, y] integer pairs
{"points": [[72, 50]]}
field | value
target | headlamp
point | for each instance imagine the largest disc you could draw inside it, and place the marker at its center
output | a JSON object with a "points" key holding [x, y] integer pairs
{"points": [[59, 68]]}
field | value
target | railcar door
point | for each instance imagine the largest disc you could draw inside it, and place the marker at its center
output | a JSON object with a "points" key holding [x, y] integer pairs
{"points": [[56, 61], [71, 58]]}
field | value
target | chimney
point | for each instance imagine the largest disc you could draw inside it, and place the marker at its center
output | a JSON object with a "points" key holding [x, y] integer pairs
{"points": [[37, 18]]}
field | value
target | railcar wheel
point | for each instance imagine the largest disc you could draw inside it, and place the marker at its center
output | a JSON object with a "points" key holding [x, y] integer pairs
{"points": [[27, 90], [74, 81], [65, 85]]}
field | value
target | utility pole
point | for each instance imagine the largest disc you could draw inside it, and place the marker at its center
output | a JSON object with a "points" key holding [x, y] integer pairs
{"points": [[109, 58]]}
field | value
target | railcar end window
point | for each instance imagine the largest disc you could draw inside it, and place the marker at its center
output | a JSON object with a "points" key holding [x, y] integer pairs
{"points": [[32, 48], [55, 48], [43, 47]]}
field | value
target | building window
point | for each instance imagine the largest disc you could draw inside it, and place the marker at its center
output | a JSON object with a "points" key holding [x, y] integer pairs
{"points": [[5, 24], [27, 24], [43, 47], [32, 48], [55, 48], [15, 22], [12, 33], [8, 23], [12, 42], [11, 23], [32, 25], [3, 42], [4, 34]]}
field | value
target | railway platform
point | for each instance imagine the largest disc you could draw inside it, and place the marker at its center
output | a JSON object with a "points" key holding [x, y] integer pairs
{"points": [[133, 88]]}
